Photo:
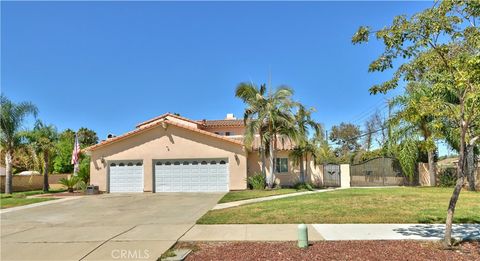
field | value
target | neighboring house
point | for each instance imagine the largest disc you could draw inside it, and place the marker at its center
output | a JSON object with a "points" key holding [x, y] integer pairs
{"points": [[171, 153]]}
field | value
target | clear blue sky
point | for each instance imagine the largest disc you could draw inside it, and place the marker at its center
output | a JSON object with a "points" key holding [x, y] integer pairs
{"points": [[108, 66]]}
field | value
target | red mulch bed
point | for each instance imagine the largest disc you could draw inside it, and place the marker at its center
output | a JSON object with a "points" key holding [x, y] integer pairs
{"points": [[332, 250]]}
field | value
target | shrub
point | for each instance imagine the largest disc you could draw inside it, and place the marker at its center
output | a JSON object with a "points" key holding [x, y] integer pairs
{"points": [[71, 183], [257, 181], [447, 177], [303, 186]]}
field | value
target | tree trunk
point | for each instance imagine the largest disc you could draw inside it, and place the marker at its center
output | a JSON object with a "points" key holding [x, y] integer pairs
{"points": [[272, 167], [262, 156], [302, 171], [432, 169], [470, 167], [46, 159], [307, 165], [8, 170], [447, 241]]}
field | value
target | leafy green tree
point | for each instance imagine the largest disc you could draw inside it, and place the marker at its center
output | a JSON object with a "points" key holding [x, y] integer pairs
{"points": [[43, 139], [12, 116], [62, 161], [439, 46], [346, 135], [87, 137], [269, 115]]}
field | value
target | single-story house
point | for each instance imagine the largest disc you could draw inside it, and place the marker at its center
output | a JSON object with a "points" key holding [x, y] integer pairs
{"points": [[170, 153]]}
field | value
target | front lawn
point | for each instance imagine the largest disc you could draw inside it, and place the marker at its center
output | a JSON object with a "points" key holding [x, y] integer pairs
{"points": [[30, 193], [356, 205], [249, 194], [15, 202]]}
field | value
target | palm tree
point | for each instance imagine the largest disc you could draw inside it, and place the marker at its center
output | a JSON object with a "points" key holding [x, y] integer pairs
{"points": [[304, 145], [268, 115], [417, 120], [43, 138], [12, 116]]}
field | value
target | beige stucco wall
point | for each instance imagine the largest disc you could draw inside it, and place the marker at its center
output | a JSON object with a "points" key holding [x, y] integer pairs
{"points": [[234, 130], [32, 182], [314, 174], [172, 143]]}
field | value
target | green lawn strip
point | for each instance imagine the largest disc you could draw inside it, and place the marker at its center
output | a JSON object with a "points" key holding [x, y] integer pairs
{"points": [[30, 193], [377, 205], [249, 194], [15, 202]]}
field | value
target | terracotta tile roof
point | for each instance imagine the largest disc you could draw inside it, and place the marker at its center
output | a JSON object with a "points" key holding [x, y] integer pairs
{"points": [[282, 143], [165, 115], [144, 127], [222, 123]]}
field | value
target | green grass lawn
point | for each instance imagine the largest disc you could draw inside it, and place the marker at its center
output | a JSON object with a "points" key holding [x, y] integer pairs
{"points": [[357, 205], [249, 194], [30, 193], [15, 202]]}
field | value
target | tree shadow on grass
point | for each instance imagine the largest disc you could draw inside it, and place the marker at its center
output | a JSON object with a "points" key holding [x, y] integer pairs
{"points": [[462, 231]]}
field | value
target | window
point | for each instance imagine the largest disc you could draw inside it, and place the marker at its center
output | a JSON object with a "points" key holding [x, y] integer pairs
{"points": [[176, 163], [138, 164], [204, 163], [185, 163], [113, 165], [213, 162], [222, 162], [281, 165], [121, 164], [159, 163], [130, 164], [227, 133]]}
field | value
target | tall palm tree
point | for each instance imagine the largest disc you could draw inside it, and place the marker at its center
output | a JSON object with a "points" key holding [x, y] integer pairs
{"points": [[254, 98], [43, 138], [269, 115], [304, 145], [12, 116]]}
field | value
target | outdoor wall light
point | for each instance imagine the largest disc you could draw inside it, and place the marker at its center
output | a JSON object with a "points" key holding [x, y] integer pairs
{"points": [[102, 160], [164, 125]]}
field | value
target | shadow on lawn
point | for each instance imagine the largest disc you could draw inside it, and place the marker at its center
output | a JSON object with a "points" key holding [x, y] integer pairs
{"points": [[463, 231]]}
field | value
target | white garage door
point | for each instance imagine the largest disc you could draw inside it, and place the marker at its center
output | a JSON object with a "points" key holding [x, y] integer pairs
{"points": [[200, 175], [126, 176]]}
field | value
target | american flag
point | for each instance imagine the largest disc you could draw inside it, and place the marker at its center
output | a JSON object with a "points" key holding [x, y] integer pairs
{"points": [[76, 151]]}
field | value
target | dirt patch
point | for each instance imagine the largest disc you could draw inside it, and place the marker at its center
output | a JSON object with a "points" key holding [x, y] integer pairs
{"points": [[332, 250]]}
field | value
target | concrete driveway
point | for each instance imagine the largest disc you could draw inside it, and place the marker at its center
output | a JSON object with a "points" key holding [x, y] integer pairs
{"points": [[104, 227]]}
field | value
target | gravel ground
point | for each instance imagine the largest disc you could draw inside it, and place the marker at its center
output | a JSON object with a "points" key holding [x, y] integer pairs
{"points": [[332, 250]]}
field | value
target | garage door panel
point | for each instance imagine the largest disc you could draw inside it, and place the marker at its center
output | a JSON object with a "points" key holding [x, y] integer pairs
{"points": [[190, 177], [126, 177]]}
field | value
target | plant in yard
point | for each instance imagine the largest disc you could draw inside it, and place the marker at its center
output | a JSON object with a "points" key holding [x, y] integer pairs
{"points": [[43, 140], [346, 136], [305, 145], [71, 183], [440, 47], [447, 177], [269, 115], [12, 116], [256, 181]]}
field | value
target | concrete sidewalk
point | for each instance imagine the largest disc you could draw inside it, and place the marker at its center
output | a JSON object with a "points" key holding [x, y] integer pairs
{"points": [[249, 232], [255, 200], [317, 232]]}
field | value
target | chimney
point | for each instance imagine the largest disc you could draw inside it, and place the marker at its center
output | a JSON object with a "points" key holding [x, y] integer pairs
{"points": [[230, 116]]}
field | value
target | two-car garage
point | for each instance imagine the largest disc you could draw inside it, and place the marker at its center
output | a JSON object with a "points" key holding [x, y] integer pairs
{"points": [[181, 175]]}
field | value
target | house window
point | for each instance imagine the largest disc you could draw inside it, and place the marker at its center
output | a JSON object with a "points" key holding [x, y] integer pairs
{"points": [[281, 165], [227, 133]]}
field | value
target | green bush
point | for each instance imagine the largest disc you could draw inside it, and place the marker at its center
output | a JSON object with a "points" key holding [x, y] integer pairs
{"points": [[447, 177], [71, 183], [256, 181], [303, 186]]}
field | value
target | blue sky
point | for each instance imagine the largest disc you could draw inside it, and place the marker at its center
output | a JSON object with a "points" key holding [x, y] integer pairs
{"points": [[110, 65]]}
